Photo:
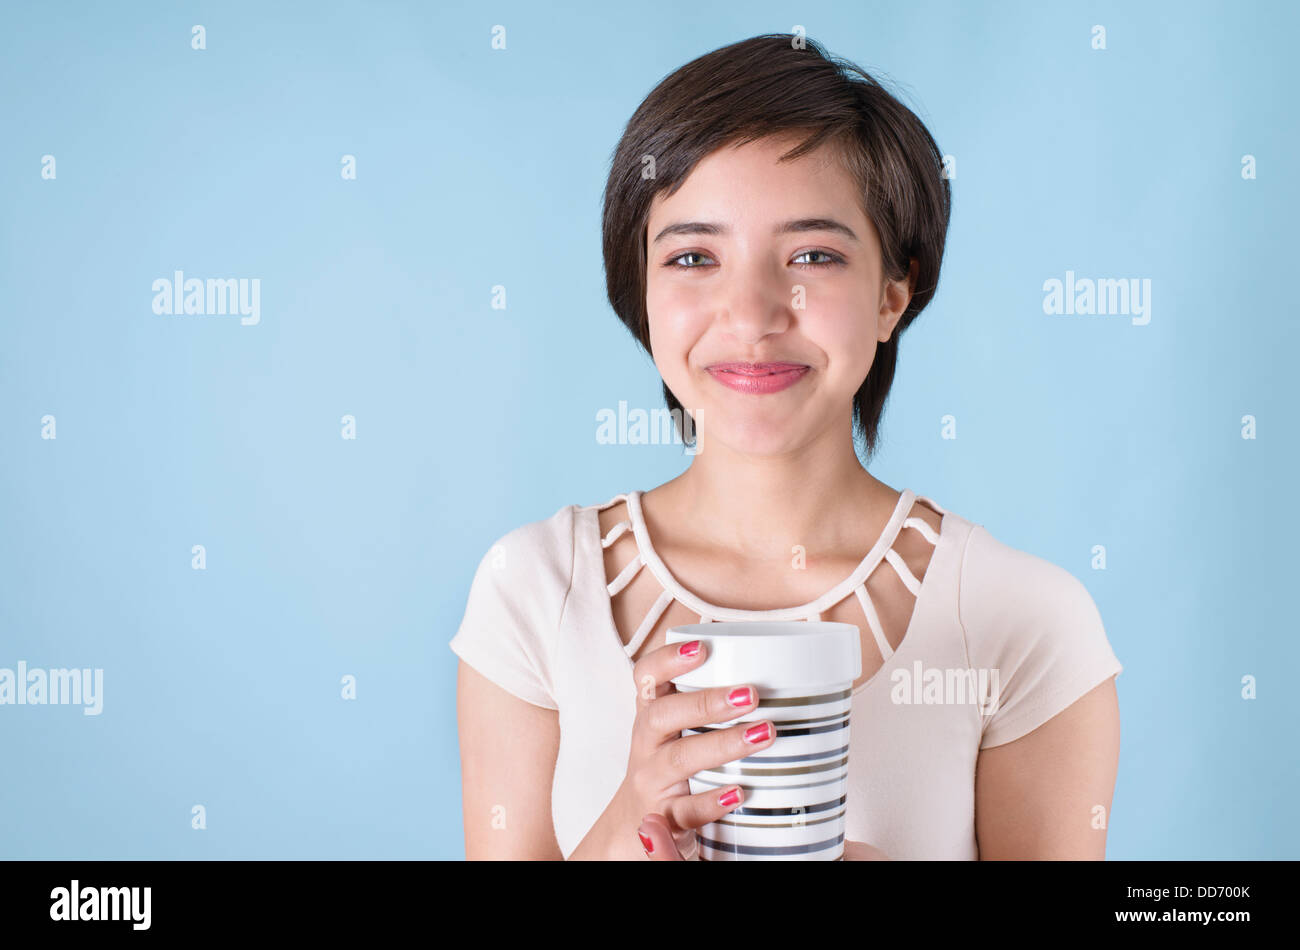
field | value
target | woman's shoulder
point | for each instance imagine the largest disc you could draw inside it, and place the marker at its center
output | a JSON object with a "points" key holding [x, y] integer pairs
{"points": [[1033, 627], [541, 550], [1029, 617], [1002, 584], [515, 601], [544, 543]]}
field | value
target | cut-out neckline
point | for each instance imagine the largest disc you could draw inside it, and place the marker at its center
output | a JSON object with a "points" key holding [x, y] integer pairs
{"points": [[855, 583], [804, 611]]}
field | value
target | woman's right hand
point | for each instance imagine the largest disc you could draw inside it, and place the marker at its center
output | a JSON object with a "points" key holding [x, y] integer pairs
{"points": [[661, 759]]}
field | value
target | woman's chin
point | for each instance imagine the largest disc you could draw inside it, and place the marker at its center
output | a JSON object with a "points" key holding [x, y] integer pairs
{"points": [[757, 439]]}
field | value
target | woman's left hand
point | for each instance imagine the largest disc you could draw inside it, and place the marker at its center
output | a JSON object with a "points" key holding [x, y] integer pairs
{"points": [[655, 828]]}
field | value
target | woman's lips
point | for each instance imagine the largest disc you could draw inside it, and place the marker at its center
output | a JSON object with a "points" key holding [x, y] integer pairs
{"points": [[758, 377]]}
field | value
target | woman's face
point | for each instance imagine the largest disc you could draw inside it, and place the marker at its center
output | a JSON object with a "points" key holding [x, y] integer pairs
{"points": [[752, 261]]}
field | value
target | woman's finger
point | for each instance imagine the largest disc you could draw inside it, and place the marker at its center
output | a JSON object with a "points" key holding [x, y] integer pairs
{"points": [[657, 839]]}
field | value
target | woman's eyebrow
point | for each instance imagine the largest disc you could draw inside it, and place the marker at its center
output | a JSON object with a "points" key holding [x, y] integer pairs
{"points": [[796, 226]]}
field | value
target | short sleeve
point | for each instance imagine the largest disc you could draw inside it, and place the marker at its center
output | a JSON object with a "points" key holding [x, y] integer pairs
{"points": [[513, 611], [1036, 630]]}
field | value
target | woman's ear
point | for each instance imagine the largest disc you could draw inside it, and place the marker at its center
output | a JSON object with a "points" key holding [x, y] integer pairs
{"points": [[897, 295]]}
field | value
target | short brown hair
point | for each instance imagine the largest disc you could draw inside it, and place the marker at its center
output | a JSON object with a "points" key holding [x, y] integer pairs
{"points": [[782, 84]]}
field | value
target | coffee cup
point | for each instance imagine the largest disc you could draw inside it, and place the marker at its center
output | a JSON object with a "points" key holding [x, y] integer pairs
{"points": [[796, 790]]}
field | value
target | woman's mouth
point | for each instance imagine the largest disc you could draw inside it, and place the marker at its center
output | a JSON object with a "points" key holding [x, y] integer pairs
{"points": [[758, 377]]}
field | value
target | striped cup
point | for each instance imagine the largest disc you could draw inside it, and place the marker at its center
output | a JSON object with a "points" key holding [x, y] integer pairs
{"points": [[796, 789]]}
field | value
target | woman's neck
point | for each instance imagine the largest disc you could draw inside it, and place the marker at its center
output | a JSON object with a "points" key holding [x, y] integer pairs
{"points": [[757, 507]]}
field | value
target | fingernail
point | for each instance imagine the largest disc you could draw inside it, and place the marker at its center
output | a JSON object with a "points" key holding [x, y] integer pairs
{"points": [[729, 798], [756, 734], [689, 649], [647, 843], [740, 696]]}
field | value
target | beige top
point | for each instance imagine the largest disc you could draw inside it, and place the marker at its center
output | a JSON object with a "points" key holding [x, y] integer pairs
{"points": [[999, 641]]}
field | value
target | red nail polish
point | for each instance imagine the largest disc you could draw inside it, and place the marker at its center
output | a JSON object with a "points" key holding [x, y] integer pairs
{"points": [[739, 696], [729, 798], [649, 845], [757, 734], [689, 649]]}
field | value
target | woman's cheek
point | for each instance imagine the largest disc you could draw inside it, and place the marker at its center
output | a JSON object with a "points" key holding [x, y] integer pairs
{"points": [[845, 336], [674, 308], [675, 327]]}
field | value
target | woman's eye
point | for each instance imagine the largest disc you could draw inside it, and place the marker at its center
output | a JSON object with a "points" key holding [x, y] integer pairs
{"points": [[828, 260], [673, 262]]}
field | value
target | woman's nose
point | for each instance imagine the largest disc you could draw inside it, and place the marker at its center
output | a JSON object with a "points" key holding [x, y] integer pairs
{"points": [[753, 305]]}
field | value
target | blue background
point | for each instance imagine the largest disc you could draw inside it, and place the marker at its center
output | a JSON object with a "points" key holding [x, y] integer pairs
{"points": [[478, 167]]}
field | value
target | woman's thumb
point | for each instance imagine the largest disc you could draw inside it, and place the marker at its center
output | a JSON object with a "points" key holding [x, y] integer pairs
{"points": [[657, 839]]}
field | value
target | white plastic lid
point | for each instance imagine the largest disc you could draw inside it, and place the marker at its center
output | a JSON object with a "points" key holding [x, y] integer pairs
{"points": [[772, 654]]}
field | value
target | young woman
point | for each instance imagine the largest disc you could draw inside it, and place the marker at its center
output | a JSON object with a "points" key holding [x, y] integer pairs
{"points": [[774, 220]]}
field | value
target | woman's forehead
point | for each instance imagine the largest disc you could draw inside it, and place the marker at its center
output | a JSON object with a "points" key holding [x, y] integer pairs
{"points": [[747, 185]]}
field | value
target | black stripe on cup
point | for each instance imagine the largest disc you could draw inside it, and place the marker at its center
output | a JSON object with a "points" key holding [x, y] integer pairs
{"points": [[807, 756], [782, 728], [769, 849], [779, 824], [836, 806], [799, 770], [834, 717], [829, 781], [764, 702], [703, 858], [790, 811]]}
